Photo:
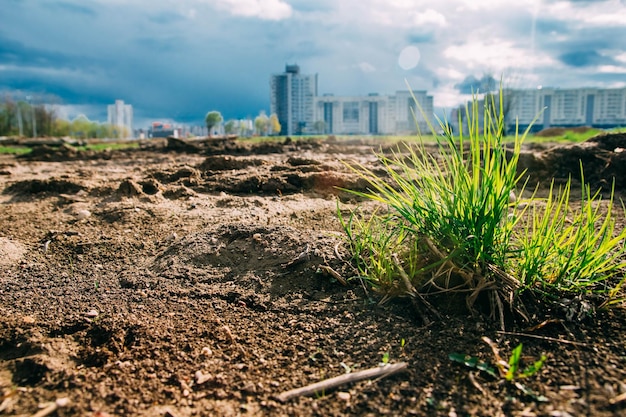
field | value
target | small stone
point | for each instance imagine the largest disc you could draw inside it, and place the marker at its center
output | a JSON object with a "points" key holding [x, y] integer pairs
{"points": [[28, 319], [169, 413], [343, 396], [83, 214], [201, 378], [512, 197], [206, 351], [62, 402], [92, 313], [249, 388]]}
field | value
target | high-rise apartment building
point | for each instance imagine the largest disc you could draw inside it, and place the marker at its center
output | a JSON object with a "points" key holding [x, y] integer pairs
{"points": [[597, 107], [120, 115], [291, 99], [541, 108], [294, 100], [374, 114]]}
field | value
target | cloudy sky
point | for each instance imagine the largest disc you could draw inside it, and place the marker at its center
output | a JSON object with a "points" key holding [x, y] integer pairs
{"points": [[178, 59]]}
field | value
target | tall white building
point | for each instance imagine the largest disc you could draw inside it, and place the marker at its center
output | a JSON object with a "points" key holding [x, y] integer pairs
{"points": [[541, 108], [291, 98], [609, 107], [373, 114], [120, 115], [597, 107]]}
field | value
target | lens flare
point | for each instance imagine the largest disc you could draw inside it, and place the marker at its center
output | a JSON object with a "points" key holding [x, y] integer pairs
{"points": [[409, 57]]}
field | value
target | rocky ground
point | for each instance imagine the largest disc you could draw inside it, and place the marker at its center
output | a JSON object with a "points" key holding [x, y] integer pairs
{"points": [[196, 278]]}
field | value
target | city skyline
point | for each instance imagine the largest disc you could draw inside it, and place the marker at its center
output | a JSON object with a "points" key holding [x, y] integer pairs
{"points": [[177, 60], [300, 110]]}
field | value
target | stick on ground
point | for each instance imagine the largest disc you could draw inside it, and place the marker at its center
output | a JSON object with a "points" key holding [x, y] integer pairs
{"points": [[318, 387]]}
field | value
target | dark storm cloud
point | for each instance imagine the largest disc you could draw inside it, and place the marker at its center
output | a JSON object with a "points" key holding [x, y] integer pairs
{"points": [[161, 44], [17, 53], [580, 48], [473, 85], [71, 8], [425, 37], [582, 58], [165, 18]]}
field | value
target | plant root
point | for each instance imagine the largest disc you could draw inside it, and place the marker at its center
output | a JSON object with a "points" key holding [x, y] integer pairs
{"points": [[414, 294], [329, 271]]}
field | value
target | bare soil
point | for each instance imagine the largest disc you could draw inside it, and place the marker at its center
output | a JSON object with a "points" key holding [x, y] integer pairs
{"points": [[191, 278]]}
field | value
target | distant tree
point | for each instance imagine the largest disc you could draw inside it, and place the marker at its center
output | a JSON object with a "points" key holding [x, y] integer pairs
{"points": [[275, 126], [81, 127], [212, 119], [8, 116], [261, 123], [230, 127], [319, 126], [61, 127], [25, 118], [246, 127]]}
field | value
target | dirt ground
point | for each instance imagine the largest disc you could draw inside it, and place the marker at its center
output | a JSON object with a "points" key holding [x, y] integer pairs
{"points": [[191, 278]]}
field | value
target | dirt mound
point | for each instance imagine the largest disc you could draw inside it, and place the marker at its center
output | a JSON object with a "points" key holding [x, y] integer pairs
{"points": [[48, 186], [265, 260], [226, 163], [603, 160], [614, 142], [560, 131]]}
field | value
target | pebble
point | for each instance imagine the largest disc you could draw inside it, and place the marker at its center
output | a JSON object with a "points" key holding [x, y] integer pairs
{"points": [[512, 197], [201, 378], [62, 402], [92, 313], [83, 214], [343, 395]]}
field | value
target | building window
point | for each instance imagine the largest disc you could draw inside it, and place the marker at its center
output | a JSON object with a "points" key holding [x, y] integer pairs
{"points": [[373, 125], [328, 117], [351, 111]]}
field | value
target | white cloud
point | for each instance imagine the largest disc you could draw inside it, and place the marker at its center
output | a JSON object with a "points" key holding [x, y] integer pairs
{"points": [[262, 9], [597, 13], [611, 69], [489, 5], [429, 17], [496, 54], [450, 73], [190, 13], [366, 67]]}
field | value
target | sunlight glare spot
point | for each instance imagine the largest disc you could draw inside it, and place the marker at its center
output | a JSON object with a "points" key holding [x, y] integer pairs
{"points": [[409, 57]]}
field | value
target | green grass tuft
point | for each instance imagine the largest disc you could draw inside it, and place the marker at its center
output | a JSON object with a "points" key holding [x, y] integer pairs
{"points": [[454, 223], [14, 150]]}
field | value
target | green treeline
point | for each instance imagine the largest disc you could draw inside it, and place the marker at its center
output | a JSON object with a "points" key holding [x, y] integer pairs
{"points": [[23, 119]]}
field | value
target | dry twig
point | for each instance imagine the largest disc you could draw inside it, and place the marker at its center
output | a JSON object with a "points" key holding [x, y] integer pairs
{"points": [[52, 407], [318, 387], [546, 338], [620, 398]]}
